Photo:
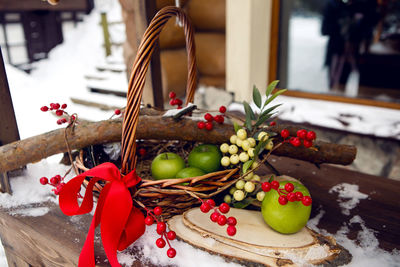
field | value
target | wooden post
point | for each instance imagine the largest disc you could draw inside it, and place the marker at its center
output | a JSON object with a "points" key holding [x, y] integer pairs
{"points": [[248, 30], [106, 34], [8, 126]]}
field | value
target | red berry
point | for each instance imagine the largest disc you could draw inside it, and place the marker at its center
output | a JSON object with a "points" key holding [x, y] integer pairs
{"points": [[179, 107], [64, 106], [231, 230], [56, 106], [232, 221], [161, 227], [160, 242], [224, 208], [54, 180], [172, 95], [306, 200], [73, 117], [172, 102], [209, 126], [214, 216], [285, 133], [301, 134], [59, 122], [171, 252], [219, 118], [299, 195], [295, 141], [311, 136], [117, 111], [205, 207], [148, 220], [208, 117], [201, 125], [60, 186], [44, 180], [222, 220], [157, 210], [63, 120], [211, 203], [289, 187], [275, 184], [222, 109], [171, 235], [56, 191], [142, 152], [291, 197], [272, 123], [282, 200], [266, 186], [44, 108], [178, 102], [307, 143], [59, 112]]}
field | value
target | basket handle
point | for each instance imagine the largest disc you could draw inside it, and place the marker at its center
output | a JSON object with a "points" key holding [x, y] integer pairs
{"points": [[138, 75]]}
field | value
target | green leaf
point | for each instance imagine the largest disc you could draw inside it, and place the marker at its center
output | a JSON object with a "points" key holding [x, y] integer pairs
{"points": [[269, 110], [256, 97], [271, 178], [262, 119], [236, 126], [271, 87], [247, 165], [249, 115], [248, 110], [261, 146], [244, 203], [274, 96]]}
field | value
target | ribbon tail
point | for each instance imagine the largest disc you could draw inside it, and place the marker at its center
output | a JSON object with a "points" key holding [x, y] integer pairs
{"points": [[86, 258]]}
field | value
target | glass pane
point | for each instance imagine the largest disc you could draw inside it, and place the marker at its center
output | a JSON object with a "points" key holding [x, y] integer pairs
{"points": [[343, 47]]}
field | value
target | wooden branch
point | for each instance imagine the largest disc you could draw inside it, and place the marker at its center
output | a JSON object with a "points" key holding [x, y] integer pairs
{"points": [[32, 149]]}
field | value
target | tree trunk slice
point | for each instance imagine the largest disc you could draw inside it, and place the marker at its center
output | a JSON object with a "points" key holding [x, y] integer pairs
{"points": [[20, 153], [256, 242]]}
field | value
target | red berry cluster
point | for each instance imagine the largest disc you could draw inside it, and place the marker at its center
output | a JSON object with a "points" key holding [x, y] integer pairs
{"points": [[56, 181], [287, 193], [208, 125], [175, 101], [161, 230], [219, 218], [59, 110], [303, 136]]}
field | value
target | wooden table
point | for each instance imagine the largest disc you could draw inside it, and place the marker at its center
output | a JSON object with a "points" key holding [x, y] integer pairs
{"points": [[56, 240]]}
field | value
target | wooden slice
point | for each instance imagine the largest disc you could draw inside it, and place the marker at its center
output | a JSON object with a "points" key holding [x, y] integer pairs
{"points": [[257, 242]]}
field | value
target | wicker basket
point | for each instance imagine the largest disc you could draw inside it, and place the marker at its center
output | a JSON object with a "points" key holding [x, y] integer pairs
{"points": [[170, 193]]}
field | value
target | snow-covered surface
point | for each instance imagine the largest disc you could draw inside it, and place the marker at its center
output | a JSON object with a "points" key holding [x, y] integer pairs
{"points": [[376, 121], [349, 196]]}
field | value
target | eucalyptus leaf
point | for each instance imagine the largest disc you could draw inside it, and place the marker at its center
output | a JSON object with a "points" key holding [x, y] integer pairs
{"points": [[244, 203], [274, 96], [256, 97], [271, 87], [247, 165], [261, 146]]}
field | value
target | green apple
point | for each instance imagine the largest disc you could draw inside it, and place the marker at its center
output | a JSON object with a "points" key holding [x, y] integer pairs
{"points": [[189, 172], [205, 157], [166, 165], [289, 218]]}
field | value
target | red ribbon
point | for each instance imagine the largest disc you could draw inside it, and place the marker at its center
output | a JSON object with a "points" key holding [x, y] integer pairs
{"points": [[120, 222]]}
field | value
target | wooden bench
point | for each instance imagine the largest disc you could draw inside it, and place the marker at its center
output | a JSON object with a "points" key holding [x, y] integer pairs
{"points": [[56, 240]]}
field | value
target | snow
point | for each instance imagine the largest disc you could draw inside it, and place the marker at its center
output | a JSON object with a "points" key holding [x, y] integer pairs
{"points": [[349, 196]]}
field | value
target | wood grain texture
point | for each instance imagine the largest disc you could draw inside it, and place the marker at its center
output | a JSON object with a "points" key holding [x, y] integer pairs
{"points": [[38, 147]]}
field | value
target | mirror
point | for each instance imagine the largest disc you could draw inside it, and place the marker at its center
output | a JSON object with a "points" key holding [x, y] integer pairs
{"points": [[341, 47]]}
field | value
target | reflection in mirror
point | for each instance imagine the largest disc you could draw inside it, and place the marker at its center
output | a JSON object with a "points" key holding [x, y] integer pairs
{"points": [[341, 47]]}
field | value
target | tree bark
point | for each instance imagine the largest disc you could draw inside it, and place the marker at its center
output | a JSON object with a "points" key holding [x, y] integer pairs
{"points": [[17, 154]]}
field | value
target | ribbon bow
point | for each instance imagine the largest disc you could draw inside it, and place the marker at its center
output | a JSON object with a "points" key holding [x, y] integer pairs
{"points": [[120, 222]]}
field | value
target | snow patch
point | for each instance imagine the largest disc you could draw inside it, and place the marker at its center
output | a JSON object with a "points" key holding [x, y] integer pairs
{"points": [[31, 212], [349, 196]]}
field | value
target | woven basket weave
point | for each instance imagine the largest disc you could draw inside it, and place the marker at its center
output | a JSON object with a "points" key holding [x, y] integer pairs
{"points": [[170, 194]]}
